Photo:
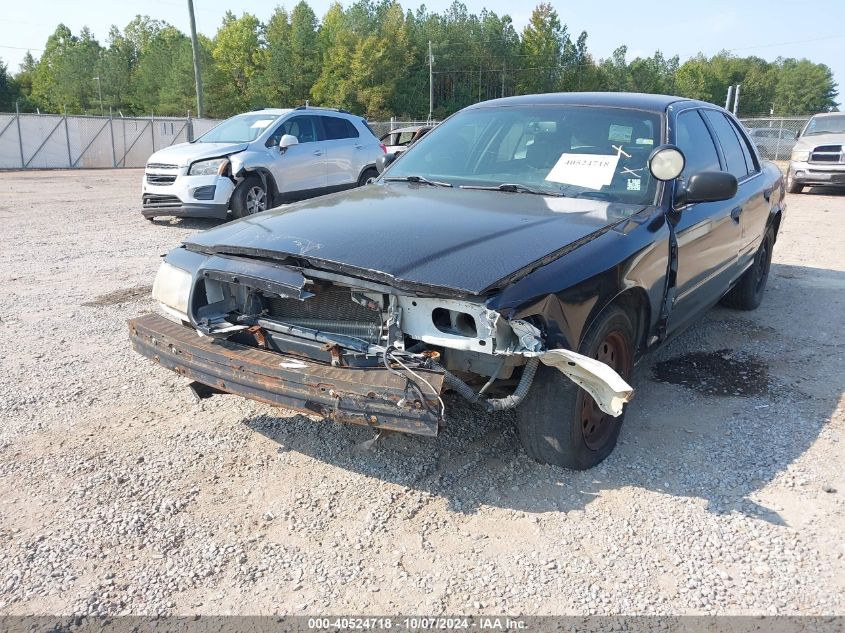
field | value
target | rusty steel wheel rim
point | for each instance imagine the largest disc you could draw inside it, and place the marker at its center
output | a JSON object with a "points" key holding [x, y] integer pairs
{"points": [[596, 425]]}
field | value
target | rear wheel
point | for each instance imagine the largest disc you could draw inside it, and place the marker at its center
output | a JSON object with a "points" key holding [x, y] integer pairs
{"points": [[747, 294], [560, 423], [250, 197], [791, 185], [367, 176]]}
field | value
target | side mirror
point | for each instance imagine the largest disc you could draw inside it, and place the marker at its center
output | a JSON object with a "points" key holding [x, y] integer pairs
{"points": [[288, 140], [707, 186], [666, 162], [383, 161]]}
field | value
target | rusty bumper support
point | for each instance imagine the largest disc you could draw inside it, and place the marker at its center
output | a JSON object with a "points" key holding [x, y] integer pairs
{"points": [[368, 396]]}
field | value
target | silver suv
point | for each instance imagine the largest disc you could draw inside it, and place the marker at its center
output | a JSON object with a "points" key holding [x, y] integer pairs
{"points": [[259, 159]]}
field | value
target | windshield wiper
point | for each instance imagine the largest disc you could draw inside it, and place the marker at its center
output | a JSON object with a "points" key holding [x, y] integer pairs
{"points": [[511, 187], [421, 180]]}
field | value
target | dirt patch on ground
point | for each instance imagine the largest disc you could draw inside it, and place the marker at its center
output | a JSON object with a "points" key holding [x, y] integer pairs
{"points": [[718, 373], [117, 297]]}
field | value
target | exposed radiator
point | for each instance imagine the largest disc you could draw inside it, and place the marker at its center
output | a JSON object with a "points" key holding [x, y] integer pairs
{"points": [[331, 311]]}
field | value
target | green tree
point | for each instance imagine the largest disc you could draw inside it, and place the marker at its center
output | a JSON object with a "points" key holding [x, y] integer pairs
{"points": [[237, 53], [336, 44], [543, 43], [64, 76], [275, 83], [9, 90], [303, 69], [804, 88]]}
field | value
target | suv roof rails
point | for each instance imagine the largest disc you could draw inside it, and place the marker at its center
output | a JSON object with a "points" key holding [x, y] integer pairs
{"points": [[310, 107]]}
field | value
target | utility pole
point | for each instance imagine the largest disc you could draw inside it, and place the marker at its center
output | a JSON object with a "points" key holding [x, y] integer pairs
{"points": [[100, 92], [736, 99], [195, 46], [430, 82]]}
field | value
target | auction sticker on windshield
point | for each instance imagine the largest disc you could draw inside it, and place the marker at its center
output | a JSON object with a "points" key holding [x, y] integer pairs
{"points": [[593, 171], [262, 123]]}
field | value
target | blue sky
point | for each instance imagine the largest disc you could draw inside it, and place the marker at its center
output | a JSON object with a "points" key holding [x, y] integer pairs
{"points": [[751, 27]]}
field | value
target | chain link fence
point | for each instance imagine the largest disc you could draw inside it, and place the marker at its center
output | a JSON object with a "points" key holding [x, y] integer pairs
{"points": [[775, 136], [50, 141]]}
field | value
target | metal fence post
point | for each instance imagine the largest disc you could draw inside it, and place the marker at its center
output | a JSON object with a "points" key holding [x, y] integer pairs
{"points": [[780, 136], [153, 129], [111, 134], [67, 140], [20, 138]]}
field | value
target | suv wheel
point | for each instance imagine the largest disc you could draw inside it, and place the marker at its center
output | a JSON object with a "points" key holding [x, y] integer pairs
{"points": [[367, 176], [250, 197]]}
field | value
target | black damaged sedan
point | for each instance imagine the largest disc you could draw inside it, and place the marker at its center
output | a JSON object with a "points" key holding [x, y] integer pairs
{"points": [[524, 254]]}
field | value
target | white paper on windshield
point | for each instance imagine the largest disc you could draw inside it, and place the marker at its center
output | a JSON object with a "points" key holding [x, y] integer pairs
{"points": [[593, 171], [262, 123]]}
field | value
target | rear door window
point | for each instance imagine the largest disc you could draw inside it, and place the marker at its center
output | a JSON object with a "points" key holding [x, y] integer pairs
{"points": [[731, 147], [694, 139], [337, 128]]}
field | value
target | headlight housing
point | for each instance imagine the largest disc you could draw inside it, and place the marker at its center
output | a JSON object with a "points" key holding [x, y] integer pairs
{"points": [[210, 167], [800, 155], [172, 287]]}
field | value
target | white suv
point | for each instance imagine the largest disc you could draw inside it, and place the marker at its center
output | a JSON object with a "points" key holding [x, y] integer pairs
{"points": [[259, 159]]}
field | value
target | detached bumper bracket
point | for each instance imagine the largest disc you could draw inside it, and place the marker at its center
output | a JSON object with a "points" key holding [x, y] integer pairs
{"points": [[367, 396]]}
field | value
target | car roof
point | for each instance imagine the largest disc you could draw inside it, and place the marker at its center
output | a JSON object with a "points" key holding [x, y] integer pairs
{"points": [[657, 103], [825, 115], [273, 111]]}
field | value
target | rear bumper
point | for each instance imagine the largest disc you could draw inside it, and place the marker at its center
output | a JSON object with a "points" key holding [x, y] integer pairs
{"points": [[365, 396]]}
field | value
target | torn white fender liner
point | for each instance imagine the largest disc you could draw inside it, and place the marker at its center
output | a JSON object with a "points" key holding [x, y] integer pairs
{"points": [[606, 387]]}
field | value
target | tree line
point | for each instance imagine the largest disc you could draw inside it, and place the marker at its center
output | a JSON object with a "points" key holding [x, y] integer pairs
{"points": [[372, 58]]}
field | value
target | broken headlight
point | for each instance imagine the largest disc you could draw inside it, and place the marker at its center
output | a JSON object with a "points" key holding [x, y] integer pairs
{"points": [[172, 287]]}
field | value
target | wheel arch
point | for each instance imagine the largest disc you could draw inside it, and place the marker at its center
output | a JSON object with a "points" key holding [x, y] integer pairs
{"points": [[635, 302], [266, 177]]}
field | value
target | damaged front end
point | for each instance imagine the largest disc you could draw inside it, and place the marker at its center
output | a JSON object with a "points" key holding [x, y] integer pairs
{"points": [[347, 348]]}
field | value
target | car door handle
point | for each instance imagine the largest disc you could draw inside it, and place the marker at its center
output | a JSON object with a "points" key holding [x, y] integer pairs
{"points": [[358, 146], [735, 213], [318, 152]]}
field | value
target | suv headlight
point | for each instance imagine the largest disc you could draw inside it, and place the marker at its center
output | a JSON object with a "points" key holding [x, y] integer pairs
{"points": [[211, 167], [171, 288], [800, 155]]}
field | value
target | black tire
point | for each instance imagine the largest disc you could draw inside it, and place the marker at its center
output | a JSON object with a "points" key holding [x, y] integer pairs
{"points": [[747, 294], [249, 197], [367, 176], [791, 185], [559, 423]]}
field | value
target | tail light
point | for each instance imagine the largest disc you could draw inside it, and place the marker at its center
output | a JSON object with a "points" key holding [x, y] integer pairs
{"points": [[383, 147]]}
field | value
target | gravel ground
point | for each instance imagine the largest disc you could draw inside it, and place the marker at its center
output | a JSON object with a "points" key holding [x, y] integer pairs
{"points": [[119, 494]]}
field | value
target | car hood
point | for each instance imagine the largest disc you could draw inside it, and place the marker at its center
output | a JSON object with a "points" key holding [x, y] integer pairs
{"points": [[419, 237], [186, 153], [814, 140]]}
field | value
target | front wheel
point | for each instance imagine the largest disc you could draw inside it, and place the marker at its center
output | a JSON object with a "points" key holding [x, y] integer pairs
{"points": [[250, 197], [560, 423]]}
